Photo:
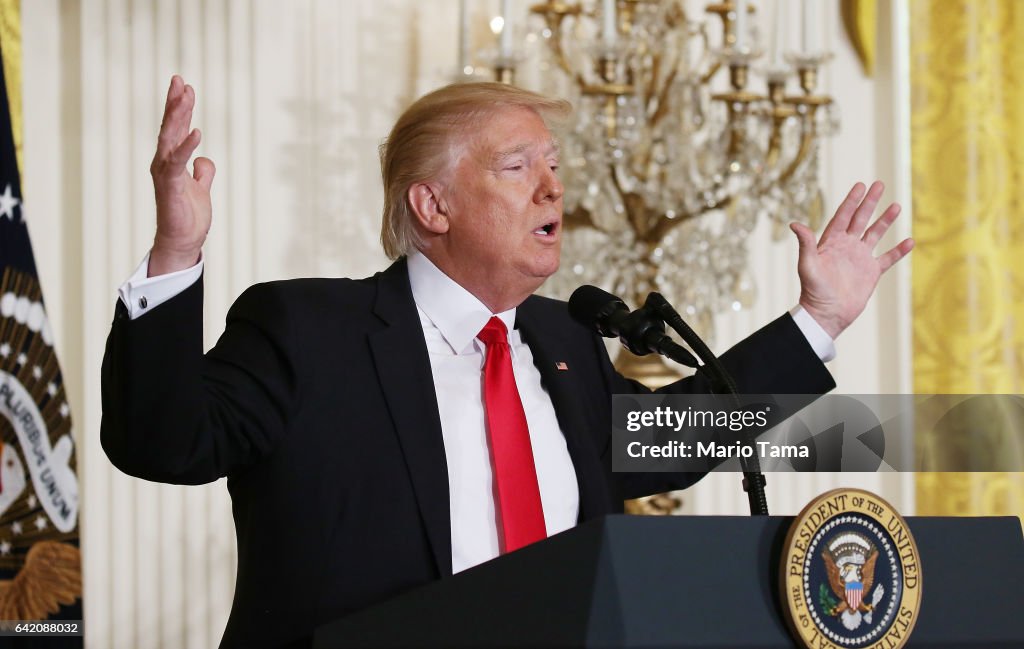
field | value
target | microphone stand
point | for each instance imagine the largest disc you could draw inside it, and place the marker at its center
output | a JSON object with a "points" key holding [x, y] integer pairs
{"points": [[721, 381]]}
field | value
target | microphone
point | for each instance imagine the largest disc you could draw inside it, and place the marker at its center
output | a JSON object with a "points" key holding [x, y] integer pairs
{"points": [[641, 332]]}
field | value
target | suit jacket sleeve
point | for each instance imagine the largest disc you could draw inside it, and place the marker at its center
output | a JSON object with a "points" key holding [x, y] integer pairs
{"points": [[173, 414], [776, 359]]}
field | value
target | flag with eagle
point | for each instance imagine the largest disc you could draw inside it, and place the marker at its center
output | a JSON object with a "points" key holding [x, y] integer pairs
{"points": [[40, 566]]}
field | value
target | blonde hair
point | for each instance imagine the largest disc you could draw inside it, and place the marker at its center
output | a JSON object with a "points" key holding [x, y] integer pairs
{"points": [[424, 145]]}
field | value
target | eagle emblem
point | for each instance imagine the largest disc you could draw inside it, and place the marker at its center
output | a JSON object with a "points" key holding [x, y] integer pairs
{"points": [[850, 573], [40, 562], [850, 562]]}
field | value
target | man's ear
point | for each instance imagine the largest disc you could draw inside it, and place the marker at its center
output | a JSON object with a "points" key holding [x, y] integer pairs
{"points": [[429, 208]]}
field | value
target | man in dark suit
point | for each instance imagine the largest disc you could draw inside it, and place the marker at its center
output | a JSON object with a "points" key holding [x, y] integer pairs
{"points": [[365, 426]]}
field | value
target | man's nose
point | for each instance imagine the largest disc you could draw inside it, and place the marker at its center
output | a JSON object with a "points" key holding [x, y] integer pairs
{"points": [[549, 188]]}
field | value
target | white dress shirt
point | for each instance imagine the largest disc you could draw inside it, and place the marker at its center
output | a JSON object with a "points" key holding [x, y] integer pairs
{"points": [[451, 318]]}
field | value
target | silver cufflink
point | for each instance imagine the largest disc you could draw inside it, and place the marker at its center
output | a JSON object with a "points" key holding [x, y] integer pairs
{"points": [[143, 302]]}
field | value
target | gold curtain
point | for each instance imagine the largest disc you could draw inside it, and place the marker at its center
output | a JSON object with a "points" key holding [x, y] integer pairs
{"points": [[967, 150], [10, 43]]}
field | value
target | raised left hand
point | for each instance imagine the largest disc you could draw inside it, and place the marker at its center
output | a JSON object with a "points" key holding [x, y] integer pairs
{"points": [[839, 272]]}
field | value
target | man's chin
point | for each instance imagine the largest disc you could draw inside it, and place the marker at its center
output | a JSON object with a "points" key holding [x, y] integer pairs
{"points": [[549, 269]]}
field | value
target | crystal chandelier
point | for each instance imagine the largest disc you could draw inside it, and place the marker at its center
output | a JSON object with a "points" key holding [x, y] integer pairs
{"points": [[673, 156]]}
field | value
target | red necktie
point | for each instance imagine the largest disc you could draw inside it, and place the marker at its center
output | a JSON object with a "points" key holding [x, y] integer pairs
{"points": [[520, 512]]}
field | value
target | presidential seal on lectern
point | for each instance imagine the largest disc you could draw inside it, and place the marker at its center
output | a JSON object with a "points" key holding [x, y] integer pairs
{"points": [[850, 573]]}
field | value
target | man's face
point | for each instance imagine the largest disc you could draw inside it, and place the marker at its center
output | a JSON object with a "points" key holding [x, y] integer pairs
{"points": [[504, 203]]}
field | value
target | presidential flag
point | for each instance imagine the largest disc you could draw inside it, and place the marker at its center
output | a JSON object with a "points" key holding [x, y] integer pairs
{"points": [[40, 565]]}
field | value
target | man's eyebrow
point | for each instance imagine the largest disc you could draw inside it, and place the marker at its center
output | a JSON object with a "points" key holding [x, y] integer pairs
{"points": [[519, 148], [508, 153]]}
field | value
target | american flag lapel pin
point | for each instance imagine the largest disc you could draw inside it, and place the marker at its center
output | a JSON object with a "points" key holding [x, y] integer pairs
{"points": [[560, 365]]}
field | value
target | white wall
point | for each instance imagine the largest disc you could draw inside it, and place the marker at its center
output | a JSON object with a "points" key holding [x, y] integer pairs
{"points": [[293, 100]]}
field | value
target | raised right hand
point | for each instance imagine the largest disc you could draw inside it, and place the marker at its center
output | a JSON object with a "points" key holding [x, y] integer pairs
{"points": [[183, 209]]}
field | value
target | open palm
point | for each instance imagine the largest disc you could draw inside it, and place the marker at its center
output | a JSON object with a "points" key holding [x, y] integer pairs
{"points": [[839, 272], [183, 207]]}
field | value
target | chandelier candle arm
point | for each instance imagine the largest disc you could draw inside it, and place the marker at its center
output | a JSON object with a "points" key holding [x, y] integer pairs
{"points": [[631, 203], [663, 104], [724, 10], [554, 13], [808, 134], [809, 103], [665, 224], [808, 74], [608, 69], [738, 76], [779, 111], [650, 90], [712, 71]]}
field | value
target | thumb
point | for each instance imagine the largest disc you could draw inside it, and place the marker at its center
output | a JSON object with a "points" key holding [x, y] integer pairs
{"points": [[203, 170], [805, 237]]}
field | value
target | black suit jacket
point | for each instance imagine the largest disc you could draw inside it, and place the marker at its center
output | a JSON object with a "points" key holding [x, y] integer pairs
{"points": [[318, 405]]}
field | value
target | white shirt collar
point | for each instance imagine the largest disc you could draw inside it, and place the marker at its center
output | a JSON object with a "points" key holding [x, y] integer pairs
{"points": [[456, 312]]}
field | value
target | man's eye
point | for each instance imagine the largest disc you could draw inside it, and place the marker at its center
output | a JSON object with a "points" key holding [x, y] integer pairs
{"points": [[513, 167], [554, 167]]}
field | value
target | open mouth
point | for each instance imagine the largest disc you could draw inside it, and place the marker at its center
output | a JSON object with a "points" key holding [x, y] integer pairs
{"points": [[547, 230]]}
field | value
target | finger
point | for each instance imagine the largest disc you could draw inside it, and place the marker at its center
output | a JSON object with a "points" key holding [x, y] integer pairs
{"points": [[881, 226], [886, 261], [176, 123], [866, 209], [183, 115], [174, 130], [203, 171], [177, 85], [174, 96], [180, 156], [844, 212], [805, 237]]}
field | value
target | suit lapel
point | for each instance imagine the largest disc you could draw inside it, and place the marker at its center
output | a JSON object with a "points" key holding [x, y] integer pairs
{"points": [[564, 387], [402, 362]]}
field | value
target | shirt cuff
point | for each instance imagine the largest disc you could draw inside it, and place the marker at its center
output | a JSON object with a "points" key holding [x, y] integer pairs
{"points": [[820, 341], [141, 294]]}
